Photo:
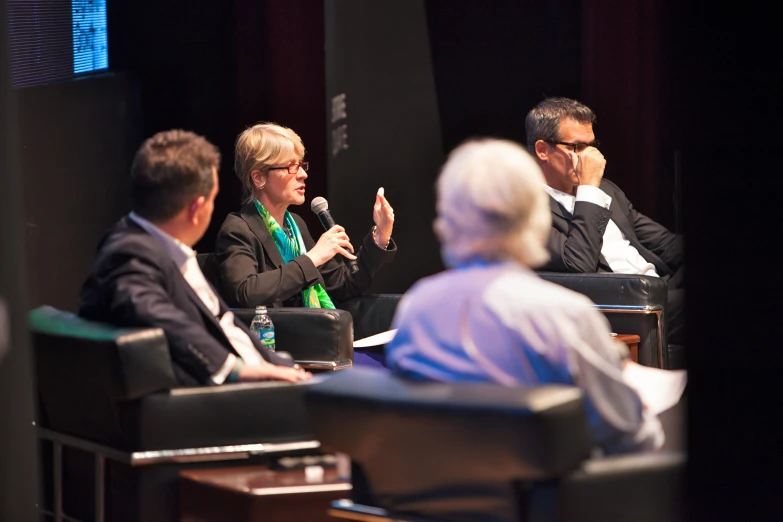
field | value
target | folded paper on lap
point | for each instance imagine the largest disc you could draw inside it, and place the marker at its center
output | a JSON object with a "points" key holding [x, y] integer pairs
{"points": [[658, 389], [375, 340]]}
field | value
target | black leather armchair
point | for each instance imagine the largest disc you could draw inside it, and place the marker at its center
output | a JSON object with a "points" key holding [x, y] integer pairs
{"points": [[119, 426], [633, 304], [317, 339], [320, 339], [481, 452]]}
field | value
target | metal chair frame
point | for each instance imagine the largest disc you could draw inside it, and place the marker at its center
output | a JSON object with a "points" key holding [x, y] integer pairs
{"points": [[146, 458]]}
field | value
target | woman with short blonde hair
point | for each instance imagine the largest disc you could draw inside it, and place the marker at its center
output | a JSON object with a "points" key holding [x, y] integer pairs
{"points": [[261, 146], [265, 253]]}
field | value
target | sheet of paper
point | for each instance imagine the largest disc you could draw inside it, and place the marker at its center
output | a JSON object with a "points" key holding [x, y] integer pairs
{"points": [[658, 389], [375, 340]]}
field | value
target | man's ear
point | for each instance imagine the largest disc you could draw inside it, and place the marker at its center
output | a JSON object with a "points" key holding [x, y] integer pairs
{"points": [[542, 150], [193, 214]]}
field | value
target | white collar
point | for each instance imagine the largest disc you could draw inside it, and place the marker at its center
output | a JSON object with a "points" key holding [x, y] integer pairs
{"points": [[179, 251], [565, 199]]}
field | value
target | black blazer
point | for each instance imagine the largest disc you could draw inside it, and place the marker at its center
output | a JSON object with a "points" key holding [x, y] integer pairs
{"points": [[134, 282], [251, 270], [575, 241]]}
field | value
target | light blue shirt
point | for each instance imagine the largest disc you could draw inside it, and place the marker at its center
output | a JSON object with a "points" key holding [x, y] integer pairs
{"points": [[502, 323]]}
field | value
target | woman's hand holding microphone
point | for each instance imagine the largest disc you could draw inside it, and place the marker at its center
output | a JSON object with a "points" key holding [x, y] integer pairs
{"points": [[335, 240]]}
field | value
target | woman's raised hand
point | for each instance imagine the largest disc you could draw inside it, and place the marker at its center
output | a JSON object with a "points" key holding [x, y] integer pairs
{"points": [[383, 216], [333, 241]]}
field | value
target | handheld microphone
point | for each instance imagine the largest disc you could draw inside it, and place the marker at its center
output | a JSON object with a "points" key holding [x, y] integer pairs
{"points": [[320, 207]]}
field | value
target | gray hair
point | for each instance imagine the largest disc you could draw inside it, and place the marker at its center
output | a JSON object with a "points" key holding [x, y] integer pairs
{"points": [[492, 205], [543, 121]]}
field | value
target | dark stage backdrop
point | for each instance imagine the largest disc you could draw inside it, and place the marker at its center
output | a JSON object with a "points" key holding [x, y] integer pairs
{"points": [[494, 60], [383, 128], [77, 139], [678, 87], [19, 487], [397, 83], [730, 76], [184, 58]]}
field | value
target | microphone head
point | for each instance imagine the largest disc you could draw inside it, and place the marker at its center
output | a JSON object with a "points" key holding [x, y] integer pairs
{"points": [[319, 204]]}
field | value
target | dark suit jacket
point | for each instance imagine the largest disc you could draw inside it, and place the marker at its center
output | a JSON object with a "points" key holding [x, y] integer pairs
{"points": [[134, 282], [252, 272], [575, 242]]}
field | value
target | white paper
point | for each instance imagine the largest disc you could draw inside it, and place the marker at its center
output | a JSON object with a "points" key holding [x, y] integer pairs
{"points": [[658, 389], [375, 340]]}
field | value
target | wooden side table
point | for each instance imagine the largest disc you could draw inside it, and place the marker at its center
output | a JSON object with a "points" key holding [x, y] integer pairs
{"points": [[633, 344], [245, 494]]}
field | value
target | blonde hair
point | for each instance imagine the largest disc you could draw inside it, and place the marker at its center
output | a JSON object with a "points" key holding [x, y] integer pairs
{"points": [[492, 205], [262, 146]]}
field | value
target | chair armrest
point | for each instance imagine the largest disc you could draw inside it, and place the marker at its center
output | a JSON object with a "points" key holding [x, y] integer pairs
{"points": [[371, 314], [122, 363], [633, 304], [614, 289], [237, 413], [309, 334], [624, 487]]}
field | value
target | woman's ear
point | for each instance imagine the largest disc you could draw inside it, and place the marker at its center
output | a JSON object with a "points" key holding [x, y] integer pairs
{"points": [[542, 150], [193, 209], [259, 179]]}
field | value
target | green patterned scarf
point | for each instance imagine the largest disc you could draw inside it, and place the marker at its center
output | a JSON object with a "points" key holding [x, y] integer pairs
{"points": [[291, 247]]}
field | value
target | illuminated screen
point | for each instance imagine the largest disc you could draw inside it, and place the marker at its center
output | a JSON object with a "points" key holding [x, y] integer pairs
{"points": [[52, 40]]}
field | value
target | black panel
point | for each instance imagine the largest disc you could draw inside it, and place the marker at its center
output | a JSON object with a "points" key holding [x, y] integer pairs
{"points": [[729, 99], [185, 55], [377, 54], [494, 60], [19, 491], [77, 140]]}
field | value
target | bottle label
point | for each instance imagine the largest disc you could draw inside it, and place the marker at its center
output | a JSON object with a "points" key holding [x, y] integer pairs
{"points": [[267, 338]]}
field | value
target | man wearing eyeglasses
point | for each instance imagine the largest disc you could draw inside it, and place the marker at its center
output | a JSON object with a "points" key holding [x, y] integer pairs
{"points": [[594, 226]]}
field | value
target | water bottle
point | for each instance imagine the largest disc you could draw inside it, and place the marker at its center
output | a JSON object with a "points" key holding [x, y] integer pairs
{"points": [[262, 327]]}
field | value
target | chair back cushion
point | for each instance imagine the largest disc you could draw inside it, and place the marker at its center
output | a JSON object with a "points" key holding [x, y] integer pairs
{"points": [[372, 313], [435, 444], [208, 264], [84, 368], [614, 289]]}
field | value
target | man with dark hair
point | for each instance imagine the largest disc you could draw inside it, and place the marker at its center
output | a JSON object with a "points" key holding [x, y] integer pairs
{"points": [[594, 226], [146, 273]]}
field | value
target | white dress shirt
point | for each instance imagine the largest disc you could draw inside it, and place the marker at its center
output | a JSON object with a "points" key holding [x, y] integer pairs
{"points": [[185, 259], [620, 255]]}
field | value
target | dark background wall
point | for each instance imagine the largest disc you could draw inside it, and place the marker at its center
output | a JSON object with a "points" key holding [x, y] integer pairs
{"points": [[688, 90], [218, 67], [385, 131], [419, 76], [19, 481], [76, 140], [494, 60]]}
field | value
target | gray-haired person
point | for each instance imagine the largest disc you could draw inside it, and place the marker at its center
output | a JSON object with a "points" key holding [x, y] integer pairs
{"points": [[490, 318]]}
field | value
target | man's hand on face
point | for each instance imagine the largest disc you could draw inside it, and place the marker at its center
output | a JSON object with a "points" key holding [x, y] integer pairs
{"points": [[589, 166]]}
